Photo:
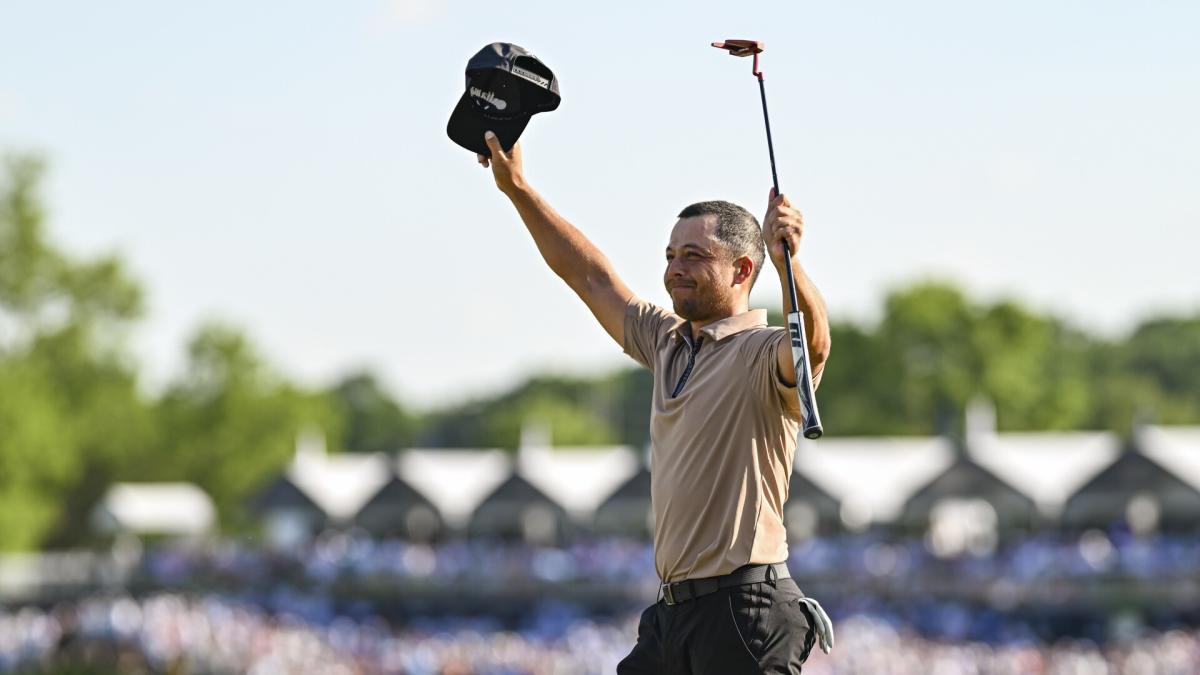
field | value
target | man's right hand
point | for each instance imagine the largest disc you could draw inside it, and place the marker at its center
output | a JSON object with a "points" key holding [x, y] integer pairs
{"points": [[506, 166]]}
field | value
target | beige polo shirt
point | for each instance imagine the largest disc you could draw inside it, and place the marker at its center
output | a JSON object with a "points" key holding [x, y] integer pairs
{"points": [[722, 446]]}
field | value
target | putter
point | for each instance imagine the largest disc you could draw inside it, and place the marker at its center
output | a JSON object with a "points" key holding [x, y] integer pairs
{"points": [[811, 419]]}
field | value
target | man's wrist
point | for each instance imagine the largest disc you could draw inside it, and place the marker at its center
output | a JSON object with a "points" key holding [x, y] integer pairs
{"points": [[782, 268], [518, 189]]}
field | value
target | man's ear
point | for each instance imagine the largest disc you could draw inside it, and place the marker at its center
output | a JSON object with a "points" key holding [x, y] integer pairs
{"points": [[743, 269]]}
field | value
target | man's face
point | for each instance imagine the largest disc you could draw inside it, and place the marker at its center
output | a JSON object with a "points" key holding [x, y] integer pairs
{"points": [[700, 274]]}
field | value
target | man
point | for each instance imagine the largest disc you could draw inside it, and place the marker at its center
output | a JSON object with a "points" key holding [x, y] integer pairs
{"points": [[723, 427]]}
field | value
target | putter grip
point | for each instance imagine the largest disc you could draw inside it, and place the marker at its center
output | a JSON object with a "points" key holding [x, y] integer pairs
{"points": [[810, 419]]}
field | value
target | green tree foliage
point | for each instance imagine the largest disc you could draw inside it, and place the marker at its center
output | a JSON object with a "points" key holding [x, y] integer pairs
{"points": [[37, 462], [372, 420], [934, 350], [71, 418], [1167, 351], [577, 411], [912, 373], [230, 423], [1154, 376]]}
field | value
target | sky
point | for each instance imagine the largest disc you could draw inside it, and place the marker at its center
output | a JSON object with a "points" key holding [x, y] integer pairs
{"points": [[284, 166]]}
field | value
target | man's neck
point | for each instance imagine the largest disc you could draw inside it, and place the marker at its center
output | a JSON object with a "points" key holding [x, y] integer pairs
{"points": [[740, 308]]}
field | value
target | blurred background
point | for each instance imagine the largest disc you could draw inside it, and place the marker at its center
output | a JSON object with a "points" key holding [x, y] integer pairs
{"points": [[285, 387]]}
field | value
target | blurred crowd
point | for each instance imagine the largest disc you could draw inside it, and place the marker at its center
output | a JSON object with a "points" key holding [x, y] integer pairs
{"points": [[172, 633], [347, 603], [341, 555]]}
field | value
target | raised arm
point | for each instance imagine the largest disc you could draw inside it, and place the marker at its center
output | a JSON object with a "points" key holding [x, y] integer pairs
{"points": [[564, 248], [783, 222]]}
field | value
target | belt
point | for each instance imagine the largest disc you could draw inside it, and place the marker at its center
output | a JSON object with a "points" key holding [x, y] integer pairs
{"points": [[689, 589]]}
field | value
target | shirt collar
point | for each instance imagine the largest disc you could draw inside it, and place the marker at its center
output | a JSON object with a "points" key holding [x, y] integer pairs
{"points": [[731, 325]]}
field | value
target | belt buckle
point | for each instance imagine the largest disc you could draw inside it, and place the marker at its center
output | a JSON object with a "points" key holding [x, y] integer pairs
{"points": [[667, 594]]}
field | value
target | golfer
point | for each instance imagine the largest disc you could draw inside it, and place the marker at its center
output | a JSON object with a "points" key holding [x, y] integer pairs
{"points": [[723, 427]]}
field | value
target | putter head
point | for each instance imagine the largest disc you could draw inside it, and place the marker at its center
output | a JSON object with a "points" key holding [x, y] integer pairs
{"points": [[740, 47]]}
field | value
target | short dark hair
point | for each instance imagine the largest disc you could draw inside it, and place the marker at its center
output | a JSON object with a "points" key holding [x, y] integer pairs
{"points": [[737, 228]]}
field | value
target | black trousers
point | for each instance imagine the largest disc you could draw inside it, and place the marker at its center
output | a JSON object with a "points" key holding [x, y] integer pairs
{"points": [[751, 629]]}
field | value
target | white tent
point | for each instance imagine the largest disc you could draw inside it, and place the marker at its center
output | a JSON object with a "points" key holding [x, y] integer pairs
{"points": [[339, 484], [578, 479], [1049, 466], [155, 508], [872, 477], [1177, 449], [456, 481]]}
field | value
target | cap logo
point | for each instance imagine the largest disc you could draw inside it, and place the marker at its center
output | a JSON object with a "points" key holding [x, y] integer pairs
{"points": [[532, 77], [497, 103]]}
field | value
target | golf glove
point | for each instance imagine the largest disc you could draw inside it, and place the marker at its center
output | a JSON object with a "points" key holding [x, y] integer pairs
{"points": [[821, 624]]}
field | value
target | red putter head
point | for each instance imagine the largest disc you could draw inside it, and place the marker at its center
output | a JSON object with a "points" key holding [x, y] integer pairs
{"points": [[740, 47], [743, 48]]}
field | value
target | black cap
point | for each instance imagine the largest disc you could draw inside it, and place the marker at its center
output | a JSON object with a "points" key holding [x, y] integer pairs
{"points": [[506, 85]]}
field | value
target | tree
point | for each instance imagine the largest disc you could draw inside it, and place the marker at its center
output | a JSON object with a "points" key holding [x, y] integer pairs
{"points": [[71, 417], [230, 423], [934, 350], [576, 410], [372, 420], [1154, 375], [37, 460]]}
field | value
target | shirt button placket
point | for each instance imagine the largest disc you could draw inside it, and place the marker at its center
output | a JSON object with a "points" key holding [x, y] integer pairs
{"points": [[688, 370]]}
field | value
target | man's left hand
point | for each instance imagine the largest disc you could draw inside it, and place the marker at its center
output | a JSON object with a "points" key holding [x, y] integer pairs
{"points": [[782, 223]]}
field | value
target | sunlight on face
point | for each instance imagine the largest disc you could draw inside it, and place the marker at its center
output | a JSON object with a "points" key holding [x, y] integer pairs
{"points": [[699, 273]]}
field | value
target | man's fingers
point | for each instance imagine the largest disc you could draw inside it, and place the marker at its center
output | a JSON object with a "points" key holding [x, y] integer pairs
{"points": [[483, 160], [493, 143], [789, 233], [790, 211], [774, 202]]}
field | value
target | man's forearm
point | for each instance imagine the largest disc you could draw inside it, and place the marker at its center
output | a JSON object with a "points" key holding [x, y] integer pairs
{"points": [[564, 248], [812, 305]]}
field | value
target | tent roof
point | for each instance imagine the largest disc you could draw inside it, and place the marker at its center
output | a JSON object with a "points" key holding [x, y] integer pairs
{"points": [[456, 481], [339, 484], [579, 479], [397, 492], [1049, 467], [171, 508], [516, 490], [1133, 472], [966, 478], [1175, 448], [872, 476], [636, 486], [283, 493], [1106, 497], [802, 487]]}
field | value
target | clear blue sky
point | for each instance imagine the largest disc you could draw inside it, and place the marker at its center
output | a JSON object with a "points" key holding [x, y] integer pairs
{"points": [[284, 166]]}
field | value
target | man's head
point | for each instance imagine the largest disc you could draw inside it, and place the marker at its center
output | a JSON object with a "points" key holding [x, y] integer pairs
{"points": [[713, 258]]}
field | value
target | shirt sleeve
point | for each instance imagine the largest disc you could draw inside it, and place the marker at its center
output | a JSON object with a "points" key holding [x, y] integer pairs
{"points": [[646, 327], [764, 364]]}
